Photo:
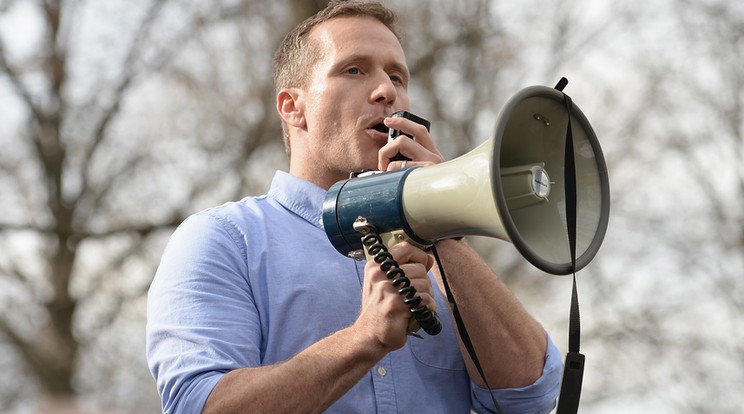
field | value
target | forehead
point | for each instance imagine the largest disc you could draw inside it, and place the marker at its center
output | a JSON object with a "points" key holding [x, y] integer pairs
{"points": [[344, 36]]}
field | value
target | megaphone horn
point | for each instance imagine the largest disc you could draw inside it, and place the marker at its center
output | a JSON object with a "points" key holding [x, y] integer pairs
{"points": [[510, 187]]}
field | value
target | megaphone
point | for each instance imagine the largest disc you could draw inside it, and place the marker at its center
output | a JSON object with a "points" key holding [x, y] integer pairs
{"points": [[511, 187]]}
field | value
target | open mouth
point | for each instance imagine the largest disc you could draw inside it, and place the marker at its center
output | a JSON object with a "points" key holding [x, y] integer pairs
{"points": [[380, 127]]}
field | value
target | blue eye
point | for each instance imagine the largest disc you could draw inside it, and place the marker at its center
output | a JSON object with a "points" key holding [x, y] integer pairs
{"points": [[353, 71]]}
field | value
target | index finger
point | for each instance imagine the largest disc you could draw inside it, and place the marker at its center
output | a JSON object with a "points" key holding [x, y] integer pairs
{"points": [[405, 252], [420, 150], [419, 132]]}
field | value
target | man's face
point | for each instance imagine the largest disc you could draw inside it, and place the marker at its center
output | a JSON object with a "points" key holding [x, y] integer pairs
{"points": [[360, 78]]}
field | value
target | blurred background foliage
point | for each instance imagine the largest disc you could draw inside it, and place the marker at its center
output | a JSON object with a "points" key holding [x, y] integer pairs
{"points": [[121, 118]]}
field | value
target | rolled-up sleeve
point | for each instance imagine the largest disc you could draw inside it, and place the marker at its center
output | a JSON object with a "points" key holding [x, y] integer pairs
{"points": [[201, 318], [536, 398]]}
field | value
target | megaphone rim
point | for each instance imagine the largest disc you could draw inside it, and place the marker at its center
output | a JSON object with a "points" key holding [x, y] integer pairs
{"points": [[510, 227]]}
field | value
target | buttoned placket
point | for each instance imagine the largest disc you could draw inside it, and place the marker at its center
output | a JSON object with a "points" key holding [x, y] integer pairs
{"points": [[382, 381], [382, 372]]}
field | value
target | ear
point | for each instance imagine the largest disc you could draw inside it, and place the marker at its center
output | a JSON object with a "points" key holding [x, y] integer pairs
{"points": [[290, 105]]}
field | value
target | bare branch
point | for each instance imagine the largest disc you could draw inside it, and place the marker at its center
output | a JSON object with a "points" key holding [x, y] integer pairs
{"points": [[141, 229], [16, 273], [24, 347], [18, 85], [134, 53], [116, 300], [14, 227]]}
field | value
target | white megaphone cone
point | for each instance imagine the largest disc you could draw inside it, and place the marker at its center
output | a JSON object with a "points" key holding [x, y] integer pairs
{"points": [[511, 187]]}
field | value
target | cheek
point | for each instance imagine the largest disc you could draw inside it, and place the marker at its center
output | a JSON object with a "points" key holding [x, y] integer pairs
{"points": [[401, 93], [325, 110], [317, 119], [403, 99]]}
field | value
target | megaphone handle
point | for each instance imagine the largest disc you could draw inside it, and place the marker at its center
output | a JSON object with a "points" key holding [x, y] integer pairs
{"points": [[375, 248]]}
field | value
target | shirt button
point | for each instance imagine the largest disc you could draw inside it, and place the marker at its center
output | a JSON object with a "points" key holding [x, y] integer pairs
{"points": [[381, 371]]}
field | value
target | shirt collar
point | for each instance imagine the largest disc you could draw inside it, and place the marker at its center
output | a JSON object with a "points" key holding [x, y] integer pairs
{"points": [[298, 196]]}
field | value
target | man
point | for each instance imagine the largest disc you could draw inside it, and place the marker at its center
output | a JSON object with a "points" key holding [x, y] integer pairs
{"points": [[253, 310]]}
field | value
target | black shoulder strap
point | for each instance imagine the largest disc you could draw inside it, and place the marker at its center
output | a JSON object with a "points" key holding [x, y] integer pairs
{"points": [[573, 371], [464, 336]]}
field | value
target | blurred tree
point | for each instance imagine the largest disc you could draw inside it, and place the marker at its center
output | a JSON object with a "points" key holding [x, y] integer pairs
{"points": [[122, 117], [664, 324], [698, 125], [125, 119]]}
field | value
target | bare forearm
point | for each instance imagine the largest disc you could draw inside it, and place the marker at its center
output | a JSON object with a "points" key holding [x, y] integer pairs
{"points": [[308, 382], [509, 342]]}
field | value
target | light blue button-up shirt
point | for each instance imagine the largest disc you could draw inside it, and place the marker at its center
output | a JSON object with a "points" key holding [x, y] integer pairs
{"points": [[254, 282]]}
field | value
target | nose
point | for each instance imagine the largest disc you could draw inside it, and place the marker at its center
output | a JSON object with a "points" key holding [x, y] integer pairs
{"points": [[384, 91]]}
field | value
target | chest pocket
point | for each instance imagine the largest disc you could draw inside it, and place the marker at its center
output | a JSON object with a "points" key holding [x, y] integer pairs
{"points": [[442, 350]]}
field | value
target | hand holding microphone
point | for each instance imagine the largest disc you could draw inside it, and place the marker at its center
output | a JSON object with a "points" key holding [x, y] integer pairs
{"points": [[409, 143]]}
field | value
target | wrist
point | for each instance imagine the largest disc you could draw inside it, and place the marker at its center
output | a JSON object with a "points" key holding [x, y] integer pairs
{"points": [[365, 344]]}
